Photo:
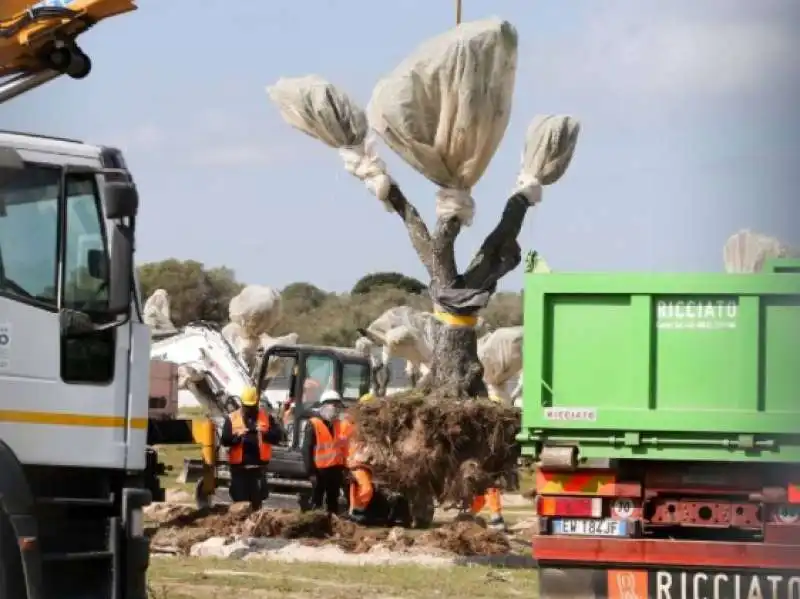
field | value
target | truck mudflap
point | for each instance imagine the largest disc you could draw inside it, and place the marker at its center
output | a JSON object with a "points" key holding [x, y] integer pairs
{"points": [[624, 582]]}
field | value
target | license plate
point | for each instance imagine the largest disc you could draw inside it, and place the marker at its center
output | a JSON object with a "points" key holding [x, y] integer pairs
{"points": [[590, 528]]}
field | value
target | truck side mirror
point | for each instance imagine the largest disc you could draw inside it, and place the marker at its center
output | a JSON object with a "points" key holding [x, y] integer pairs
{"points": [[121, 270], [121, 199]]}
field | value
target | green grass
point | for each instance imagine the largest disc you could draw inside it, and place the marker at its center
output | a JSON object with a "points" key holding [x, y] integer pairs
{"points": [[172, 457], [194, 578]]}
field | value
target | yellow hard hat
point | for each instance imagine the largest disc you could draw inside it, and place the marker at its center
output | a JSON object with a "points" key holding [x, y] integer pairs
{"points": [[250, 397], [366, 397]]}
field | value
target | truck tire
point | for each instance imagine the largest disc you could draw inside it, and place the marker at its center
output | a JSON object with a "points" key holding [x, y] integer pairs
{"points": [[12, 578]]}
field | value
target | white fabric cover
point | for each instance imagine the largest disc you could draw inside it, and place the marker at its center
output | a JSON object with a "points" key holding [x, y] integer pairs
{"points": [[549, 146], [256, 309], [156, 313], [746, 251], [500, 352], [276, 365], [320, 109], [445, 109], [405, 333]]}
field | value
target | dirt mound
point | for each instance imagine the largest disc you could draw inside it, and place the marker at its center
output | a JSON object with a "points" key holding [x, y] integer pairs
{"points": [[287, 524], [451, 450], [184, 529], [187, 526], [468, 537]]}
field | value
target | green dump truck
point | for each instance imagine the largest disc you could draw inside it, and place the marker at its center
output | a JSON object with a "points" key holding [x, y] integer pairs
{"points": [[662, 412]]}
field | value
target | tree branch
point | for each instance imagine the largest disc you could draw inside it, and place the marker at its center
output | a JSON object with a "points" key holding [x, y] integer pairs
{"points": [[445, 270], [417, 230], [499, 253]]}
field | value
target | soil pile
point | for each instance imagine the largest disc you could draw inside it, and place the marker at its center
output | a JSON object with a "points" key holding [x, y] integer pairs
{"points": [[176, 530], [466, 537], [450, 450]]}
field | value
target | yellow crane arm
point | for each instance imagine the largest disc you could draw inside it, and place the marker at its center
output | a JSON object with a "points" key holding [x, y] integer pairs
{"points": [[37, 40]]}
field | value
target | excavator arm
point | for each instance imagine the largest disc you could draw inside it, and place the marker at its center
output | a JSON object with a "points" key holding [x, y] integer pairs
{"points": [[38, 40]]}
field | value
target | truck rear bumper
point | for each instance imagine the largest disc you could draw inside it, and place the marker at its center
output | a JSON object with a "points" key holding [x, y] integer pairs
{"points": [[549, 550]]}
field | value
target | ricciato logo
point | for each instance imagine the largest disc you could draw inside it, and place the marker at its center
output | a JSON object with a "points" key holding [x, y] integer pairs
{"points": [[627, 584]]}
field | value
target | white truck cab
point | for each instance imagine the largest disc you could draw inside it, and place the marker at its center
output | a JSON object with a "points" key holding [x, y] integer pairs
{"points": [[74, 374]]}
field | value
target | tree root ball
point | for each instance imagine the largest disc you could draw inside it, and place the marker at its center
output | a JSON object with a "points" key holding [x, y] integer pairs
{"points": [[424, 445]]}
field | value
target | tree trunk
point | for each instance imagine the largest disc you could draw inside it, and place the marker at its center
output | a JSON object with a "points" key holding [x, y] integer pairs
{"points": [[456, 372]]}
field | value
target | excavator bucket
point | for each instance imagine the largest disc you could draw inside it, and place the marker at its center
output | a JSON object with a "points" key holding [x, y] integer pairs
{"points": [[37, 40]]}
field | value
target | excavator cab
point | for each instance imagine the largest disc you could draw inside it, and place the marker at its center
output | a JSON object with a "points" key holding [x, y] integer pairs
{"points": [[38, 40], [293, 378]]}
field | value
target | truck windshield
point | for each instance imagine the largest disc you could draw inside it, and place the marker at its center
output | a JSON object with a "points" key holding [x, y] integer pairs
{"points": [[29, 239]]}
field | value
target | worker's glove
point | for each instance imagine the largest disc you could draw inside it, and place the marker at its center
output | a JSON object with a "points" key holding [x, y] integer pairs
{"points": [[237, 439]]}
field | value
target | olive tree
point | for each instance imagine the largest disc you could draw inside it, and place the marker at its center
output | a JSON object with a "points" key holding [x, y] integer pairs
{"points": [[444, 110]]}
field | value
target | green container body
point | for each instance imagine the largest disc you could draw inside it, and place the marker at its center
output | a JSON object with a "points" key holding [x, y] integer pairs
{"points": [[664, 366]]}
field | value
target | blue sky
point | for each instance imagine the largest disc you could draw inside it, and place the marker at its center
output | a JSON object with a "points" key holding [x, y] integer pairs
{"points": [[688, 112]]}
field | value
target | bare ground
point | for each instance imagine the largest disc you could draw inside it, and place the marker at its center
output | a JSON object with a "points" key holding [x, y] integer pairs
{"points": [[176, 528]]}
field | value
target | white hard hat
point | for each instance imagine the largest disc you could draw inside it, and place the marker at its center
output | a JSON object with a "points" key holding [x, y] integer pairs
{"points": [[330, 395]]}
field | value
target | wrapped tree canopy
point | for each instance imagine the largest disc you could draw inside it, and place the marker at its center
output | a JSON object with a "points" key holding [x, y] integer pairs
{"points": [[500, 352], [445, 109], [156, 313], [321, 110], [254, 312], [746, 251]]}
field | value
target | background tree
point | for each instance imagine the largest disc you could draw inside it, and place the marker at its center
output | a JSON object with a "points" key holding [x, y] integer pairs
{"points": [[195, 293], [389, 279], [302, 298], [316, 315]]}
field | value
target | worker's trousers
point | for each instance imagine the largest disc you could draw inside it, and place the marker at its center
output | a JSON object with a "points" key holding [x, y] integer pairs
{"points": [[492, 498], [327, 489], [249, 484], [361, 492]]}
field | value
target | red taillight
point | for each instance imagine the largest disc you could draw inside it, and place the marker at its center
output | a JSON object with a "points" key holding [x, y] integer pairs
{"points": [[576, 507], [793, 492]]}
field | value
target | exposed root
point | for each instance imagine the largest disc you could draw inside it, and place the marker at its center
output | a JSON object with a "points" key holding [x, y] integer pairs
{"points": [[452, 450]]}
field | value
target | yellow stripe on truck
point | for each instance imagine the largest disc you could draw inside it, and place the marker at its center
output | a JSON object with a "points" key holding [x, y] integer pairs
{"points": [[62, 419]]}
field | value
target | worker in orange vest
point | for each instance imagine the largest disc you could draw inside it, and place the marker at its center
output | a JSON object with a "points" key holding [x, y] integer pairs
{"points": [[491, 499], [361, 488], [249, 433], [323, 453]]}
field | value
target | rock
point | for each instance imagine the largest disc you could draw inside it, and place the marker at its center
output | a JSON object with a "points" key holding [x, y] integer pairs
{"points": [[179, 496], [220, 547]]}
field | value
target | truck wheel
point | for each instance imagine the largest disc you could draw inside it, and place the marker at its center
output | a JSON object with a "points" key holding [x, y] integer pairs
{"points": [[422, 511], [12, 578]]}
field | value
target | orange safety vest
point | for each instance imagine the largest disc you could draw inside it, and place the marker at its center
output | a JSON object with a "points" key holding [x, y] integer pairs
{"points": [[346, 430], [327, 450], [236, 453], [350, 448]]}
